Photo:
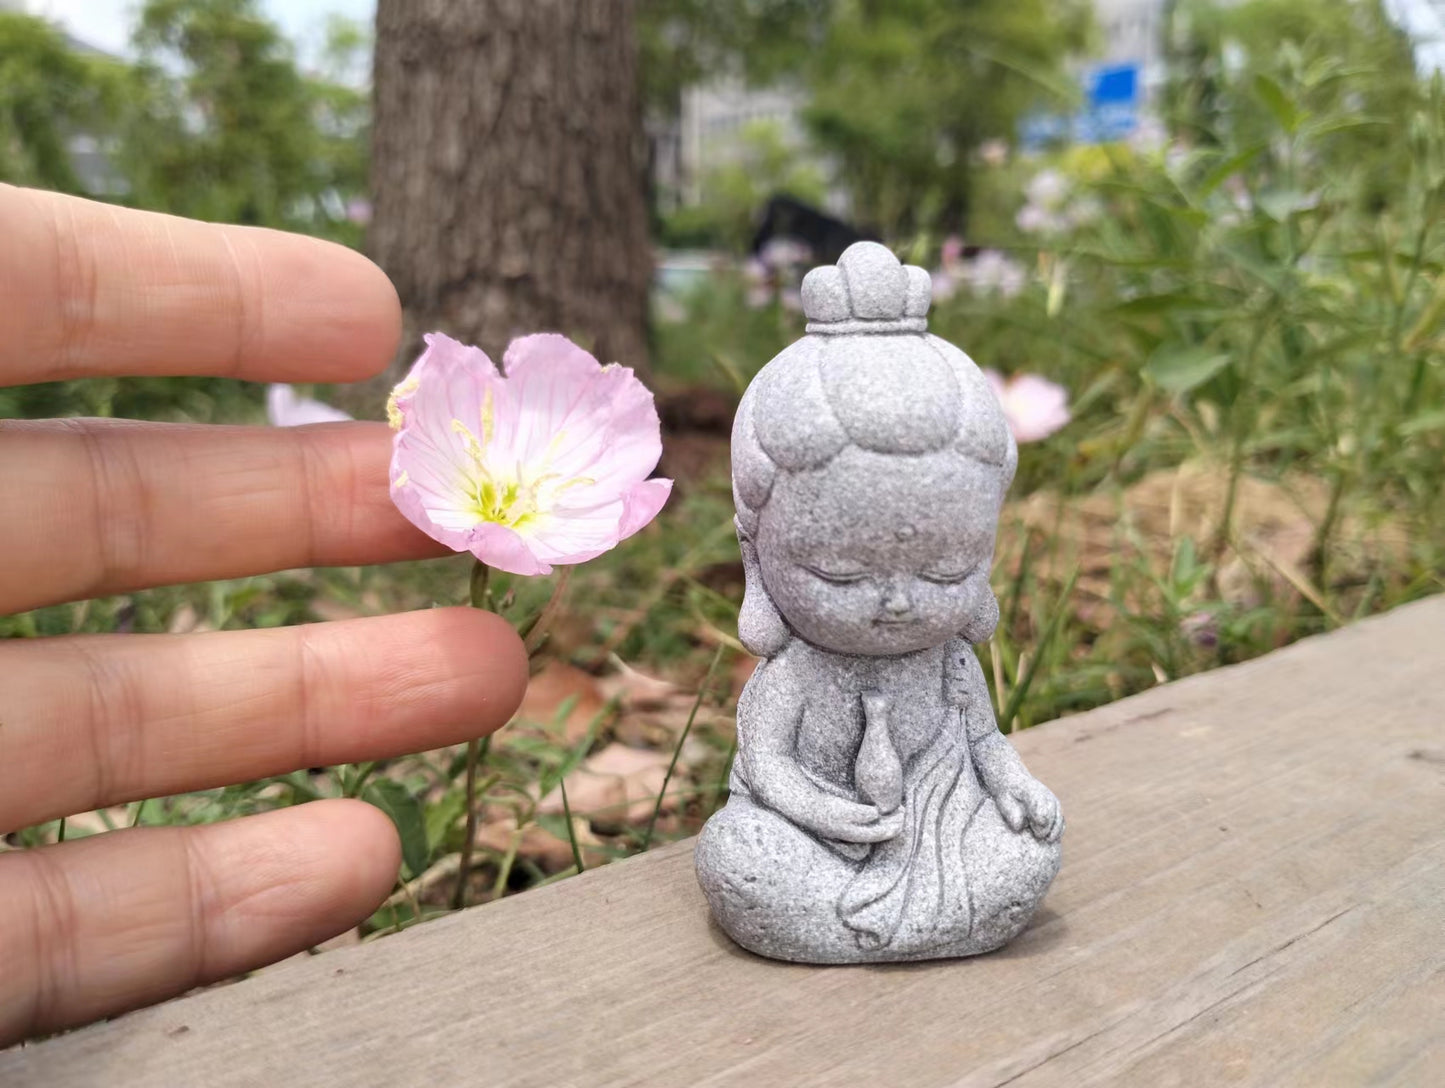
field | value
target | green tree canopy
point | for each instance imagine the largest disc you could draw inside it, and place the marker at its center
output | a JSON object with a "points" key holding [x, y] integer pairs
{"points": [[50, 94], [224, 125], [904, 92]]}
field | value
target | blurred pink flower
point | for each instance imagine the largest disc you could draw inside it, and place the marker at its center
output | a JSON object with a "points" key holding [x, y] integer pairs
{"points": [[1201, 628], [943, 284], [1034, 407], [358, 211], [994, 271], [287, 408], [1047, 189], [993, 152], [951, 253], [547, 464]]}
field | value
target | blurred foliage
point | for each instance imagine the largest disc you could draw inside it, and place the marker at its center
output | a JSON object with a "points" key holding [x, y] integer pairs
{"points": [[1255, 299], [732, 193], [223, 125], [1347, 61], [215, 120], [684, 42], [904, 92], [50, 95]]}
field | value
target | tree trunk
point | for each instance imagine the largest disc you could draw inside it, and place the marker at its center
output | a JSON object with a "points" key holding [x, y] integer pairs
{"points": [[507, 171]]}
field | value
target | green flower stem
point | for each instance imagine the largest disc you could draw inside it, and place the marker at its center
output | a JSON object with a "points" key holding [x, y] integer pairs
{"points": [[681, 740], [571, 830], [538, 631], [481, 597], [481, 586]]}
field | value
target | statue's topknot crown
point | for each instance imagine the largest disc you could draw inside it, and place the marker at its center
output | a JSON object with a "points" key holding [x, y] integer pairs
{"points": [[867, 291]]}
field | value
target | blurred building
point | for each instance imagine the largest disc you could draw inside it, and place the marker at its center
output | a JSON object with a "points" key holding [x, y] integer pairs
{"points": [[710, 131], [1131, 32], [715, 118]]}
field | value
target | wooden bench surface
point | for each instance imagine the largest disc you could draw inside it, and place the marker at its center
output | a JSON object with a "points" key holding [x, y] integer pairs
{"points": [[1253, 893]]}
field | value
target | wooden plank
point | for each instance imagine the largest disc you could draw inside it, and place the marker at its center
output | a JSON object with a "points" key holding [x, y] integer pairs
{"points": [[1253, 892]]}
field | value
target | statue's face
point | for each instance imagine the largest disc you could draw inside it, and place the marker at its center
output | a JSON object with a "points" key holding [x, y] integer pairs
{"points": [[880, 553]]}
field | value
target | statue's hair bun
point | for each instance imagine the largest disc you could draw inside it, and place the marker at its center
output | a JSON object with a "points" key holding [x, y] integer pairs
{"points": [[867, 291]]}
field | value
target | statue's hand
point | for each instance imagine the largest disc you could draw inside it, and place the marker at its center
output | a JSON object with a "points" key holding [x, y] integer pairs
{"points": [[849, 821], [1025, 801]]}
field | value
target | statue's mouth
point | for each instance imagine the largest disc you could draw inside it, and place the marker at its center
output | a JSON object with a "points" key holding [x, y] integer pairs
{"points": [[909, 622]]}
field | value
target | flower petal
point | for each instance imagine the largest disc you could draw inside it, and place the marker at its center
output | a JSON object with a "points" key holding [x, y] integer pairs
{"points": [[500, 547], [580, 420], [547, 464], [287, 408], [995, 382], [548, 377], [641, 504], [577, 535], [447, 363], [1035, 407], [413, 502]]}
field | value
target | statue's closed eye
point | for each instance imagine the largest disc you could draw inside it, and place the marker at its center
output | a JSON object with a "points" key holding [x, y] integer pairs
{"points": [[948, 577], [842, 577]]}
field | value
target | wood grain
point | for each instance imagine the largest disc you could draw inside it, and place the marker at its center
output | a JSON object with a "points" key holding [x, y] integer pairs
{"points": [[1253, 893]]}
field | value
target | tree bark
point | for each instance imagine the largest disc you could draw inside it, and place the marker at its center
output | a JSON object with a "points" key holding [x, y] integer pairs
{"points": [[508, 160]]}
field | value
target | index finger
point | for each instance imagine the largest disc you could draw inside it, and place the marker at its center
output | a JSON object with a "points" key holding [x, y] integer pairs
{"points": [[91, 289]]}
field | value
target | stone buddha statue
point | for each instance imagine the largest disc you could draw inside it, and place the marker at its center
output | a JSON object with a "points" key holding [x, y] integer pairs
{"points": [[876, 812]]}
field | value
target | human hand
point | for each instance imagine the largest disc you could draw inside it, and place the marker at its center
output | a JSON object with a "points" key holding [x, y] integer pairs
{"points": [[848, 821], [1025, 801], [93, 507]]}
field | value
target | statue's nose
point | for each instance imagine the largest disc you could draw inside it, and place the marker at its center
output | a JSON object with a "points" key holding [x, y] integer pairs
{"points": [[896, 602]]}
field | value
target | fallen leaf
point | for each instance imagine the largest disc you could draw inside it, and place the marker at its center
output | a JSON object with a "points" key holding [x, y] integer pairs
{"points": [[616, 786], [329, 608], [550, 853], [636, 690], [549, 691], [185, 620]]}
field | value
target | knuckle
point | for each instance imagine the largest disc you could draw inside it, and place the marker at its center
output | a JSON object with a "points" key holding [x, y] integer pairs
{"points": [[77, 288]]}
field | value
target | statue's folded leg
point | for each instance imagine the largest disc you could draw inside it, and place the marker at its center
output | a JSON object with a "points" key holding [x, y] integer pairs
{"points": [[1008, 874], [773, 887]]}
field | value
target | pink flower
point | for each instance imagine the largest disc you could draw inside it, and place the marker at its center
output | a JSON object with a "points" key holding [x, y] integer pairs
{"points": [[951, 253], [358, 211], [546, 465], [993, 271], [287, 408], [1034, 407]]}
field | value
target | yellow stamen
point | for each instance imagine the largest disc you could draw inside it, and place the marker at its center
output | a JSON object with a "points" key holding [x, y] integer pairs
{"points": [[489, 418], [473, 447], [404, 388]]}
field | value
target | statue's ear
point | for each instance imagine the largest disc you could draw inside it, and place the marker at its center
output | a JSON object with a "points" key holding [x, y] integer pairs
{"points": [[761, 627], [978, 628]]}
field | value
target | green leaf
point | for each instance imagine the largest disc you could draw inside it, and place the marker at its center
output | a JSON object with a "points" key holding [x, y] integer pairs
{"points": [[441, 816], [1221, 171], [1178, 369], [1423, 423], [1157, 304], [406, 813], [1273, 96], [1280, 204]]}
